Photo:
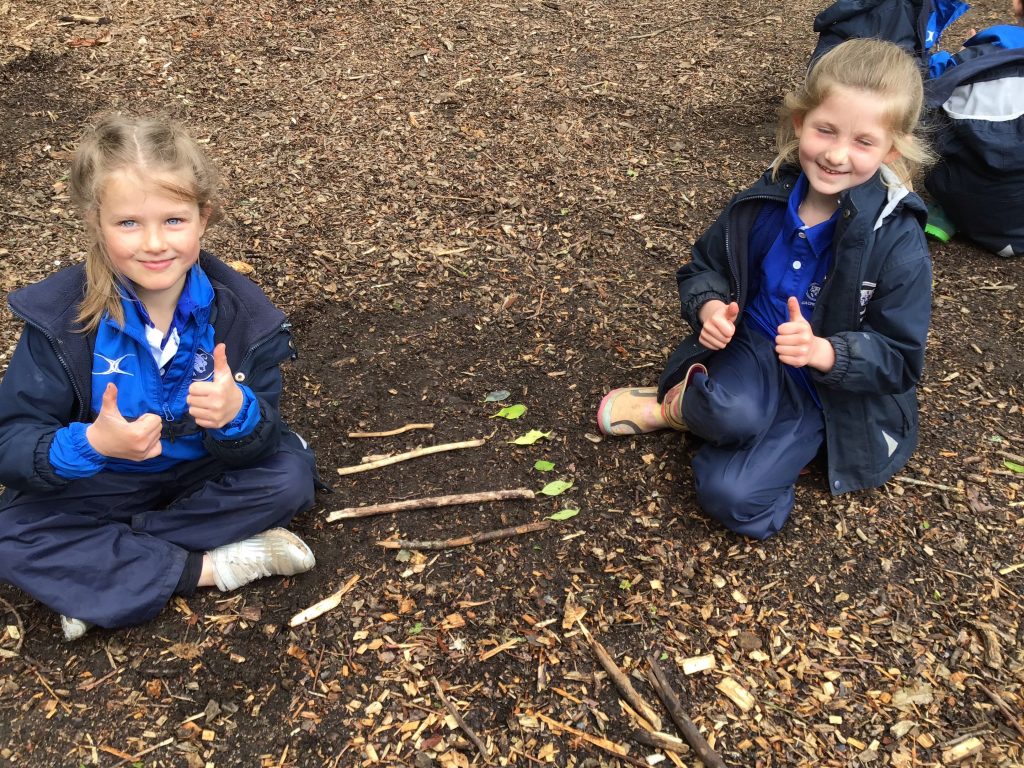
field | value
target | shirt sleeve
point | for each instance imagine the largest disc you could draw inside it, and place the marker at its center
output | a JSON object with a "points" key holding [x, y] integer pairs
{"points": [[244, 423], [72, 455]]}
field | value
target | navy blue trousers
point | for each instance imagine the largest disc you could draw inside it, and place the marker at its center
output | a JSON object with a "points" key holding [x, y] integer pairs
{"points": [[110, 549], [761, 429]]}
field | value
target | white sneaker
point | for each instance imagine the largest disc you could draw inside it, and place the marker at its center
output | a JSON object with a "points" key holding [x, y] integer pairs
{"points": [[277, 552], [73, 628]]}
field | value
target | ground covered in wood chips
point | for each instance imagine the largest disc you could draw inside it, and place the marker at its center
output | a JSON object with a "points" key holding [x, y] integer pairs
{"points": [[455, 199]]}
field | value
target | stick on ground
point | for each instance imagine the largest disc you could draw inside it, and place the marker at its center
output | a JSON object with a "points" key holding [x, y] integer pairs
{"points": [[685, 725], [477, 742], [426, 503], [410, 455], [390, 432], [621, 682], [323, 606], [1003, 707], [465, 541]]}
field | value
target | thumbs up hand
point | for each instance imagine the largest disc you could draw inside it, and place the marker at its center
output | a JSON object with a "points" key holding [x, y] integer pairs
{"points": [[719, 323], [216, 403], [796, 343], [116, 437]]}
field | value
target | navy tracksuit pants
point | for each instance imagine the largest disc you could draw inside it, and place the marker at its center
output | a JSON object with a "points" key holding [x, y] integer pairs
{"points": [[111, 549], [761, 429]]}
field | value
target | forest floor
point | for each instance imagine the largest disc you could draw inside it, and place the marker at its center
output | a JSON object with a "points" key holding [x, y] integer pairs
{"points": [[452, 199]]}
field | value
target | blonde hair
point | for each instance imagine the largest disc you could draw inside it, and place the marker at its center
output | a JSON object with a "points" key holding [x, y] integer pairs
{"points": [[878, 67], [152, 148]]}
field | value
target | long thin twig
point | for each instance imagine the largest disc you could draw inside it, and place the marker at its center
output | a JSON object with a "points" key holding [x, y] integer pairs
{"points": [[477, 742], [1003, 707], [597, 741], [926, 484], [620, 680], [429, 502], [465, 541], [685, 725], [8, 653], [410, 455], [134, 758], [390, 432]]}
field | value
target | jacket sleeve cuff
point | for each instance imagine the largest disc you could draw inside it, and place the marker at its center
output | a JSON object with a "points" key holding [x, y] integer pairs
{"points": [[71, 454], [835, 376], [691, 309], [244, 423]]}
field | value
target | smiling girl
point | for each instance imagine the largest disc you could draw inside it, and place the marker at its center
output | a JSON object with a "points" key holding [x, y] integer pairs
{"points": [[141, 444], [809, 300]]}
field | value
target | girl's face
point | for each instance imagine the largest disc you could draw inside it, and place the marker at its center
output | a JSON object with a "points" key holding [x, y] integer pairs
{"points": [[843, 141], [151, 236]]}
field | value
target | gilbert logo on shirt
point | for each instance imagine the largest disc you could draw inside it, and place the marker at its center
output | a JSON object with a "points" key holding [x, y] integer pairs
{"points": [[202, 366]]}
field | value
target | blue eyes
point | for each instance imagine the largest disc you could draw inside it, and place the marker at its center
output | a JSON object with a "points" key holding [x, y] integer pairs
{"points": [[174, 221]]}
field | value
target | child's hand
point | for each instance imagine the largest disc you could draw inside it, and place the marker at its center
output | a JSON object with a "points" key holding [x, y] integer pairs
{"points": [[116, 437], [216, 403], [719, 323], [797, 345]]}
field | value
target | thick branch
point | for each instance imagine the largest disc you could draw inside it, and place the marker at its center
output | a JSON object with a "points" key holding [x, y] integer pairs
{"points": [[410, 455], [465, 541], [426, 503], [685, 725]]}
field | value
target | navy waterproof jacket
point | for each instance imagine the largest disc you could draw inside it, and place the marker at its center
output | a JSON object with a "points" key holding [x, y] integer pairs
{"points": [[874, 309], [48, 383]]}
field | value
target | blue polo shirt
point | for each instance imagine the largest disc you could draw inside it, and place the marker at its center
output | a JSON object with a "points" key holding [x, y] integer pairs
{"points": [[793, 260]]}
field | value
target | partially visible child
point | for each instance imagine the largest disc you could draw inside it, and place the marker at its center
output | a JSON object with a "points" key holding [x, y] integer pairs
{"points": [[977, 100], [809, 300], [141, 444]]}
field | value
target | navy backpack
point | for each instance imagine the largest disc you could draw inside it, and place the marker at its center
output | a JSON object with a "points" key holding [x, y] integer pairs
{"points": [[977, 101]]}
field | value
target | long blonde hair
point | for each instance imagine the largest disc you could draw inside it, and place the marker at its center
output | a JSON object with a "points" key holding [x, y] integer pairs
{"points": [[155, 149], [878, 67]]}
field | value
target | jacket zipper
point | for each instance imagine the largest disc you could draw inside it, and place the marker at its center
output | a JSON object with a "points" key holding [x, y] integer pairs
{"points": [[733, 267]]}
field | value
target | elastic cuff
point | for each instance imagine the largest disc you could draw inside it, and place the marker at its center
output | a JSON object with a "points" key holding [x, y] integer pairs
{"points": [[189, 579]]}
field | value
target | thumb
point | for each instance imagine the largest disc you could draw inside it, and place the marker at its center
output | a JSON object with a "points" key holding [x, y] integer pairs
{"points": [[221, 369], [732, 312], [108, 407], [794, 310]]}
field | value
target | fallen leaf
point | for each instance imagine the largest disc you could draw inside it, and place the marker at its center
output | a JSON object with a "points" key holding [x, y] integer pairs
{"points": [[531, 437], [556, 487], [564, 514], [510, 412]]}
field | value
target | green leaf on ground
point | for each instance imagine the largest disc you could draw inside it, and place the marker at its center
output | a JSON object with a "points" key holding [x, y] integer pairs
{"points": [[1013, 466], [564, 514], [497, 396], [416, 628], [555, 487], [531, 437], [543, 466], [510, 412]]}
